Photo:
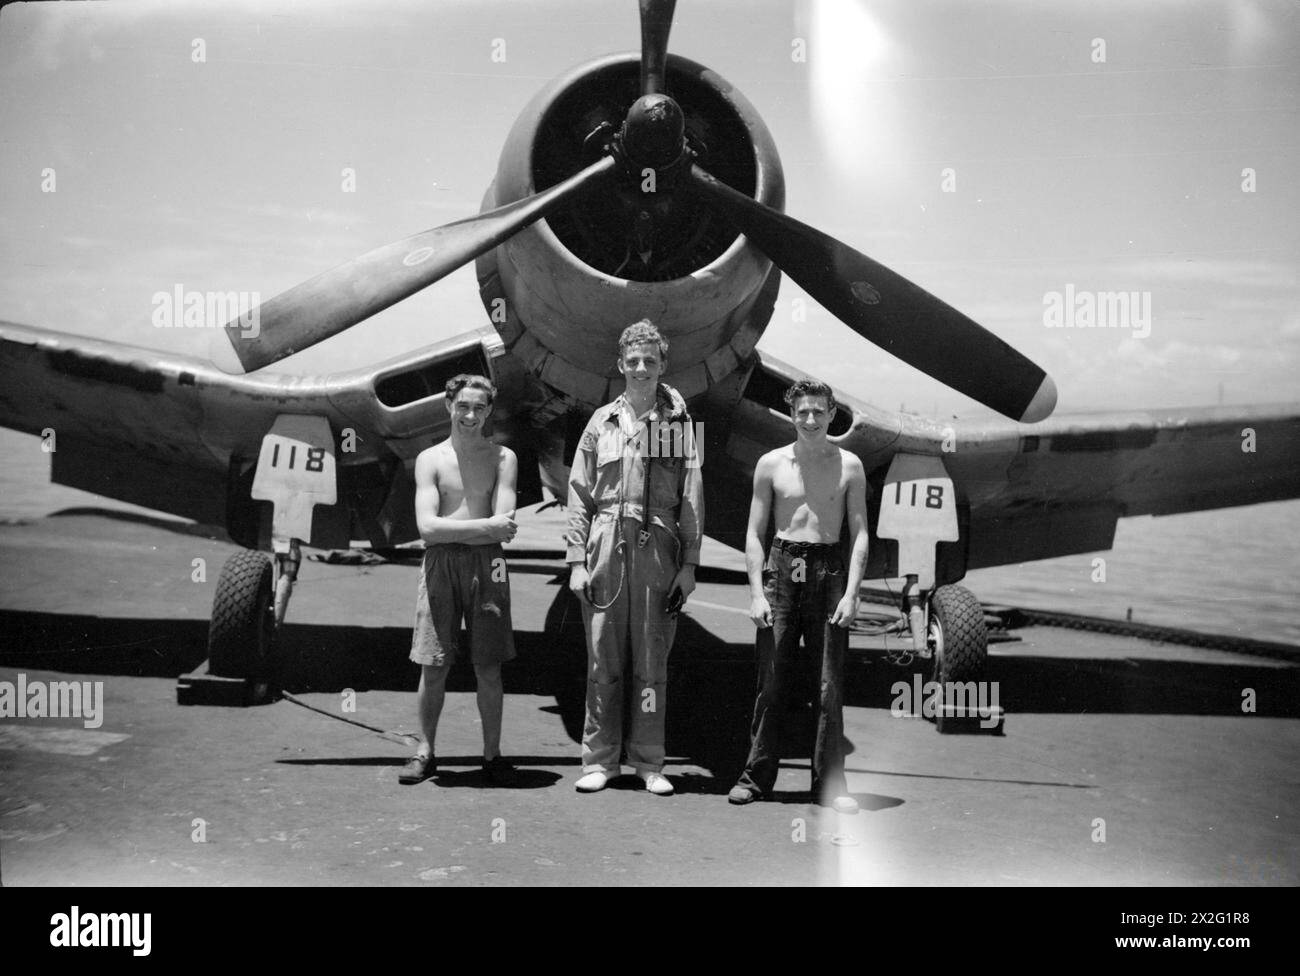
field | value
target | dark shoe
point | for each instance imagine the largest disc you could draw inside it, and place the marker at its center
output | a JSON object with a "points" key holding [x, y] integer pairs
{"points": [[500, 772], [417, 769], [740, 795]]}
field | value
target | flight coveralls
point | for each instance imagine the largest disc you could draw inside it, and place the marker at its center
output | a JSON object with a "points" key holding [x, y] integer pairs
{"points": [[633, 538]]}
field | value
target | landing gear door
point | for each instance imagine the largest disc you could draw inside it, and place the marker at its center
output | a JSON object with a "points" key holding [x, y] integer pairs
{"points": [[296, 472], [918, 508]]}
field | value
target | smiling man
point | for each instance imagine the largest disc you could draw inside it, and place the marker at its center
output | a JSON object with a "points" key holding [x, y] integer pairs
{"points": [[802, 589], [464, 508], [636, 517]]}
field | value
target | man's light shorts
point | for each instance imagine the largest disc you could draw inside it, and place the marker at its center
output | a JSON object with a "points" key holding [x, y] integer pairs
{"points": [[459, 581]]}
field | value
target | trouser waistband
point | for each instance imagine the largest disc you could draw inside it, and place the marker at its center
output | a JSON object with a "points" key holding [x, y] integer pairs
{"points": [[806, 548]]}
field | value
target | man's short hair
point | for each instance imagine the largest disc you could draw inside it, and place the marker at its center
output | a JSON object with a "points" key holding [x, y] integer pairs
{"points": [[474, 382], [815, 388], [640, 333]]}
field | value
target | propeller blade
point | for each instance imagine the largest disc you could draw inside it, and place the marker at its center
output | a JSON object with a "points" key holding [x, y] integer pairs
{"points": [[656, 23], [352, 292], [888, 310]]}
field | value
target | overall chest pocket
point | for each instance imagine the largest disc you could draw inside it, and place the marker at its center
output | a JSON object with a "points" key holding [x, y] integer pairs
{"points": [[665, 476], [609, 466]]}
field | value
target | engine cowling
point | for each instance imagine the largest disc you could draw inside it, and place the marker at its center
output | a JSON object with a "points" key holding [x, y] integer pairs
{"points": [[561, 291]]}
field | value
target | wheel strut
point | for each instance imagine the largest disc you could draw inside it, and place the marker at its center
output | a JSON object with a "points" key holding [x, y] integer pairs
{"points": [[914, 608], [287, 563]]}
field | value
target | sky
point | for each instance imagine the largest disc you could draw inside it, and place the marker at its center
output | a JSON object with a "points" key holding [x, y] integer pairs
{"points": [[995, 153]]}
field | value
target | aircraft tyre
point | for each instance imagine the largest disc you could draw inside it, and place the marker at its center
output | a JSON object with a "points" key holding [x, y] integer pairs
{"points": [[959, 642], [242, 629]]}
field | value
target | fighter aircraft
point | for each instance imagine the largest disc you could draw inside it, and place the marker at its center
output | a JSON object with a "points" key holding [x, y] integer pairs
{"points": [[634, 186]]}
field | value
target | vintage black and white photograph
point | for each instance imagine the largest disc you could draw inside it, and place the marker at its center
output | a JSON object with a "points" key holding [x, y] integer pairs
{"points": [[614, 443]]}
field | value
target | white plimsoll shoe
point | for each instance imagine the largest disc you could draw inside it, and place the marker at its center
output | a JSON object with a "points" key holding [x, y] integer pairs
{"points": [[844, 804], [657, 783], [593, 782]]}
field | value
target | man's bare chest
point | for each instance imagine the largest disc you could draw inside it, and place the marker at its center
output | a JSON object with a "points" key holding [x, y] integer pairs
{"points": [[468, 476], [797, 485]]}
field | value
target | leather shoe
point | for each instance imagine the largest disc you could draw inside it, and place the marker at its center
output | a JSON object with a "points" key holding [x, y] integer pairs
{"points": [[741, 794], [417, 769]]}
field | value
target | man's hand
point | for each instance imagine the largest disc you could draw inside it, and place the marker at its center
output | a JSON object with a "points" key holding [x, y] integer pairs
{"points": [[684, 581], [578, 581], [846, 611], [760, 611], [502, 528]]}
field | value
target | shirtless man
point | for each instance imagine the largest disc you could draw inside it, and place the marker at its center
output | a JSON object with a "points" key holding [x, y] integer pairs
{"points": [[464, 508], [802, 588]]}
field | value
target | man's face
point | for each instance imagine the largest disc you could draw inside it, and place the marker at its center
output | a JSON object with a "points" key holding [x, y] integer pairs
{"points": [[641, 366], [470, 410], [812, 416]]}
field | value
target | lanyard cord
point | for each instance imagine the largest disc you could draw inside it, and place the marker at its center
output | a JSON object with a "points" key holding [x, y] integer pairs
{"points": [[643, 535]]}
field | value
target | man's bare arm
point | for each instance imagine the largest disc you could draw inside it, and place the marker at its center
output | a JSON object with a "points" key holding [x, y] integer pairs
{"points": [[503, 496], [760, 510], [855, 501]]}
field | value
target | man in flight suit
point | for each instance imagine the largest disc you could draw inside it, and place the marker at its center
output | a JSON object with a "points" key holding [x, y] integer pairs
{"points": [[636, 517]]}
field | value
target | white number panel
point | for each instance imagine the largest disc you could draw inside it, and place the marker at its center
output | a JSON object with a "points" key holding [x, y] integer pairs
{"points": [[918, 507], [296, 472]]}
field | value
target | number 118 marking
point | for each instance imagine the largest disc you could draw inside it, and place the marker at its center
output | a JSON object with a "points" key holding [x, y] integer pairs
{"points": [[933, 495], [315, 457]]}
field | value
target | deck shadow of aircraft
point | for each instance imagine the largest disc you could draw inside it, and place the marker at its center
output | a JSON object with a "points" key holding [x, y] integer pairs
{"points": [[711, 681]]}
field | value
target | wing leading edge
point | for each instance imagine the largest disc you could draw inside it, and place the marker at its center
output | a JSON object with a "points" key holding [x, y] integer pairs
{"points": [[1058, 487], [174, 433]]}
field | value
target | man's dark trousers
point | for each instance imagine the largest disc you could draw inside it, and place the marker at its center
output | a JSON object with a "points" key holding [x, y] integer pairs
{"points": [[803, 583]]}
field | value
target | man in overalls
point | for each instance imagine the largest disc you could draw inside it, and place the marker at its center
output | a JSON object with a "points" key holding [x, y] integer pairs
{"points": [[636, 519]]}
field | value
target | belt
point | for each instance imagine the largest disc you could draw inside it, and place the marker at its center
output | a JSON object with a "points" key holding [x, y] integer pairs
{"points": [[806, 548]]}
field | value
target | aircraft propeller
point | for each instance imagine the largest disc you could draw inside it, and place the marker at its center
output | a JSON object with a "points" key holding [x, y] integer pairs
{"points": [[352, 292], [885, 308], [656, 24], [875, 302]]}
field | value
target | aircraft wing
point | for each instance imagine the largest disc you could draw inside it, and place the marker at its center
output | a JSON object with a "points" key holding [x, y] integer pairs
{"points": [[1034, 491], [175, 434], [1058, 487]]}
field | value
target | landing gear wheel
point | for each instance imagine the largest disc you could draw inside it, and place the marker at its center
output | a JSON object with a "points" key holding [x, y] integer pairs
{"points": [[241, 636], [959, 643]]}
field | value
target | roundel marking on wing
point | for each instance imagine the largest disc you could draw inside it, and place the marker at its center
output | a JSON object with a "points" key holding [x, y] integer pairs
{"points": [[417, 256]]}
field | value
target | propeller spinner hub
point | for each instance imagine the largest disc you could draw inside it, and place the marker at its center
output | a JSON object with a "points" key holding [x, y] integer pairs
{"points": [[654, 131]]}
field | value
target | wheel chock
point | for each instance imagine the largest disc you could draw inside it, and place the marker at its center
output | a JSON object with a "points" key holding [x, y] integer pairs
{"points": [[201, 687]]}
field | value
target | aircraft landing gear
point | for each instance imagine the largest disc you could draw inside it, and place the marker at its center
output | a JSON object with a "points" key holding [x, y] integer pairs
{"points": [[247, 612], [241, 629], [959, 647], [952, 645]]}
